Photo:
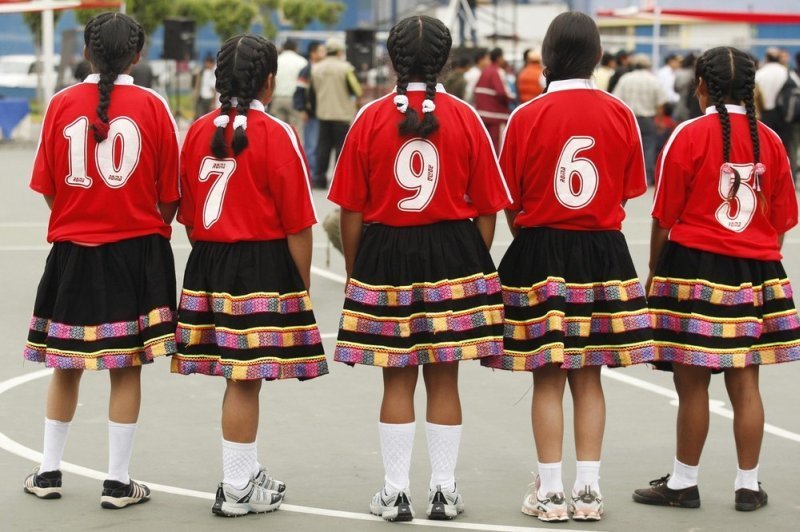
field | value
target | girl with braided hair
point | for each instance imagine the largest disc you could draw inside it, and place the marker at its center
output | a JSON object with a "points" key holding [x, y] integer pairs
{"points": [[244, 312], [419, 188], [107, 164], [573, 301], [719, 295]]}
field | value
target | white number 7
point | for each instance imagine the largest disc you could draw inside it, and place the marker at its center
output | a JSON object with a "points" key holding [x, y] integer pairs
{"points": [[222, 170]]}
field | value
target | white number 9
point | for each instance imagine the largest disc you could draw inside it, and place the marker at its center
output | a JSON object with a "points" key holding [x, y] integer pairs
{"points": [[416, 167], [571, 166]]}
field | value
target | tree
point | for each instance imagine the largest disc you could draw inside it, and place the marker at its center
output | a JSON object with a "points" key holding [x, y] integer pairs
{"points": [[302, 12], [149, 13]]}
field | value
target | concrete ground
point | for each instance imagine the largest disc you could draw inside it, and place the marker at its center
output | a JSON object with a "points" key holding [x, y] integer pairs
{"points": [[320, 436]]}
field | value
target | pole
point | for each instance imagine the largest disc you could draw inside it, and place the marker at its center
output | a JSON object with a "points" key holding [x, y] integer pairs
{"points": [[48, 57], [656, 35]]}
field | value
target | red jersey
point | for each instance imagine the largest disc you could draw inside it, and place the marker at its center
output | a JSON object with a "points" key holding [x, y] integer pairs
{"points": [[692, 188], [108, 191], [264, 193], [403, 181], [571, 157]]}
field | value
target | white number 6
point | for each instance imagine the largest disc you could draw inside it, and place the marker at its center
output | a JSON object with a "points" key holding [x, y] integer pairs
{"points": [[416, 167], [569, 165], [222, 170]]}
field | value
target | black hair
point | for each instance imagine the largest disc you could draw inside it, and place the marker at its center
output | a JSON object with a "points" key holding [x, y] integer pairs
{"points": [[479, 54], [729, 73], [525, 56], [312, 47], [112, 42], [290, 44], [622, 55], [495, 54], [243, 65], [460, 61], [669, 58], [689, 60], [571, 47], [418, 47], [607, 58]]}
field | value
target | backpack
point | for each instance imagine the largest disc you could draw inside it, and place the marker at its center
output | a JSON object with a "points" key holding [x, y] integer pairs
{"points": [[787, 104]]}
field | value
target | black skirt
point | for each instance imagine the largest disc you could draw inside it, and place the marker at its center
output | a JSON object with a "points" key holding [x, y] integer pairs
{"points": [[419, 295], [721, 312], [572, 298], [104, 307], [245, 314]]}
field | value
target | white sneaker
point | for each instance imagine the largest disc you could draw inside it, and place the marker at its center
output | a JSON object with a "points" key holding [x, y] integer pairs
{"points": [[264, 480], [392, 506], [586, 505], [232, 502], [551, 507], [444, 504]]}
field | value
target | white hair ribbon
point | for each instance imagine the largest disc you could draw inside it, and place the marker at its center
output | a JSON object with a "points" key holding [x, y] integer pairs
{"points": [[222, 121], [240, 121], [401, 102], [428, 106]]}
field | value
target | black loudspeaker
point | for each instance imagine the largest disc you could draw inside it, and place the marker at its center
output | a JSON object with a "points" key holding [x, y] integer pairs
{"points": [[361, 48], [179, 39]]}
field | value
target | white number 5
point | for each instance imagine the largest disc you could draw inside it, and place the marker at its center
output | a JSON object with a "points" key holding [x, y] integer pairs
{"points": [[222, 170], [570, 168], [416, 167], [739, 218]]}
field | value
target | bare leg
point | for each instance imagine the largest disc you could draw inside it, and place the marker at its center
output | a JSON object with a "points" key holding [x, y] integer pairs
{"points": [[691, 383], [62, 394], [590, 412], [441, 384], [126, 394], [398, 394], [547, 412], [748, 414], [240, 411]]}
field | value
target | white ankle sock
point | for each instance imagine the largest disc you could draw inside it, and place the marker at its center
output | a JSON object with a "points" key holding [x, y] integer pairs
{"points": [[747, 479], [55, 439], [587, 474], [239, 461], [550, 478], [683, 476], [120, 447], [397, 442], [443, 443]]}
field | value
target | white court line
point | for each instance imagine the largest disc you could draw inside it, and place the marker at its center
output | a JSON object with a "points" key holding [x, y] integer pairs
{"points": [[175, 247], [18, 449]]}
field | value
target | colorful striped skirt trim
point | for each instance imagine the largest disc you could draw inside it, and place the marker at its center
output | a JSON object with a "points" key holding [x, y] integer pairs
{"points": [[244, 314], [572, 298], [721, 312], [105, 307], [421, 295]]}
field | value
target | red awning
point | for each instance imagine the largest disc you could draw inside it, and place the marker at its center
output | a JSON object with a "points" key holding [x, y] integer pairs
{"points": [[18, 6], [747, 17]]}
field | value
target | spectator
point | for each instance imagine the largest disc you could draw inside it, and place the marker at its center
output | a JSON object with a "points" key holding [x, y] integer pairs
{"points": [[608, 63], [642, 92], [492, 96], [336, 87], [687, 106], [472, 75], [666, 75], [455, 83], [290, 63], [206, 88], [529, 80], [623, 67], [305, 104], [142, 73], [82, 69], [770, 79]]}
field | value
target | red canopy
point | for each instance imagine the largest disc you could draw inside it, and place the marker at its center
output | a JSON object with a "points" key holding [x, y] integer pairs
{"points": [[748, 17]]}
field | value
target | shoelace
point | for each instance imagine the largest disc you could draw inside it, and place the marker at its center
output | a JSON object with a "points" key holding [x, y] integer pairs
{"points": [[659, 481]]}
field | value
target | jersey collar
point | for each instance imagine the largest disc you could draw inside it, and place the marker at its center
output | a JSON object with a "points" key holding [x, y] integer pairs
{"points": [[122, 79], [570, 84], [419, 86], [254, 104], [734, 109]]}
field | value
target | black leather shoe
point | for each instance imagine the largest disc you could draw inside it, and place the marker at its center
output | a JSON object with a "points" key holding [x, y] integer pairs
{"points": [[750, 500], [659, 494]]}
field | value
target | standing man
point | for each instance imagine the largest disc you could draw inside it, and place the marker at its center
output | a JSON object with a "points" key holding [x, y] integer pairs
{"points": [[305, 104], [492, 97], [770, 79], [337, 89], [642, 91], [206, 88], [529, 80], [608, 64], [290, 63], [471, 76], [666, 75]]}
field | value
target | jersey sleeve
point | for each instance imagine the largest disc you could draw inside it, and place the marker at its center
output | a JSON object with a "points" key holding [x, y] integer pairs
{"points": [[783, 203], [512, 170], [167, 179], [487, 187], [187, 205], [635, 177], [350, 185], [291, 189], [673, 177], [43, 175]]}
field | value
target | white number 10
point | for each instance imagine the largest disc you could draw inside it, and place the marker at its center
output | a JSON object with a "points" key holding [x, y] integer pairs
{"points": [[222, 170], [416, 167], [116, 157], [569, 167]]}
